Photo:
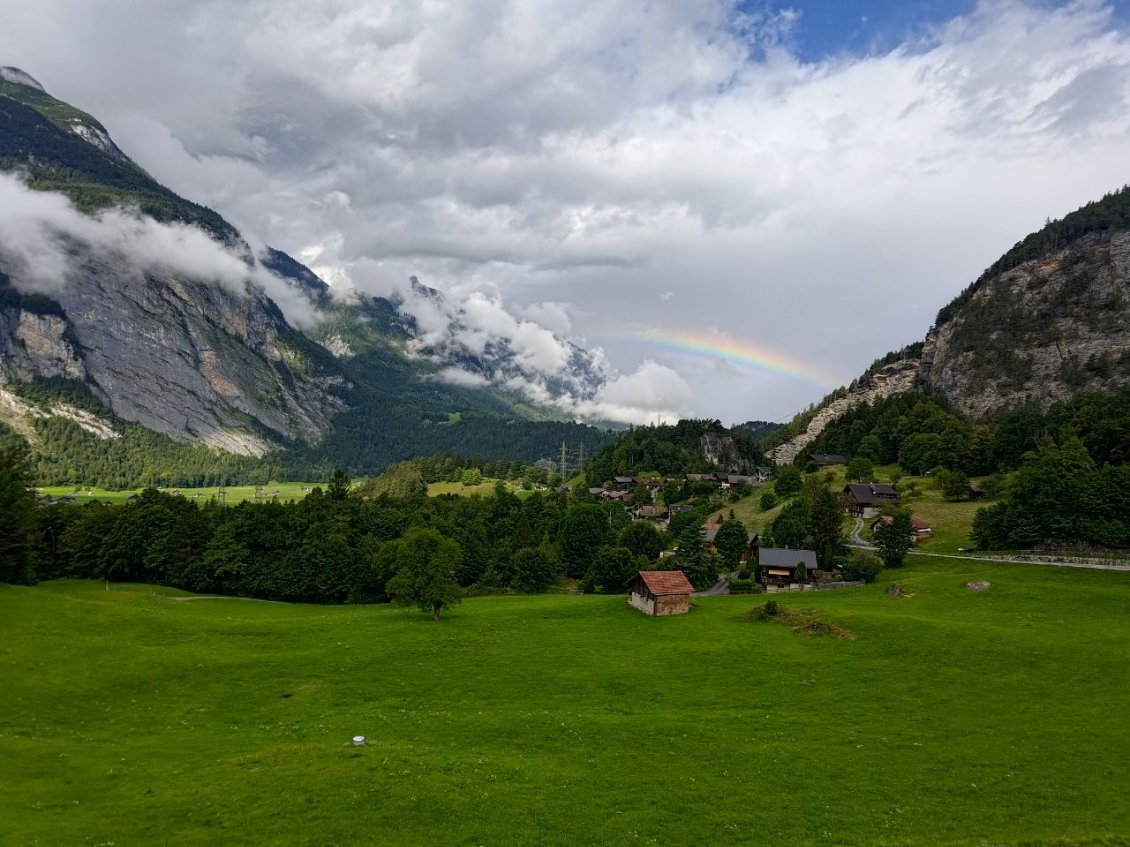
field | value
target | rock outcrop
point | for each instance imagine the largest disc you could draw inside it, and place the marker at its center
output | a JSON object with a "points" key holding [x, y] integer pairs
{"points": [[1039, 332], [895, 378]]}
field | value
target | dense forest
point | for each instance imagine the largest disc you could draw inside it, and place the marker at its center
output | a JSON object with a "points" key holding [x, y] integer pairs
{"points": [[685, 447], [341, 543]]}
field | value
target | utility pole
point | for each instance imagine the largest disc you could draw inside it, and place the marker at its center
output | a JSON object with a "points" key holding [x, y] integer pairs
{"points": [[564, 466]]}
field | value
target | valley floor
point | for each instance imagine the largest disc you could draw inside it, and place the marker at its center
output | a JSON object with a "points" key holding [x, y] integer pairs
{"points": [[949, 717]]}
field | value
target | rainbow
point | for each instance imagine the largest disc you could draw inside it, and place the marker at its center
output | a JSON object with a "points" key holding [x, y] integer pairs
{"points": [[720, 347]]}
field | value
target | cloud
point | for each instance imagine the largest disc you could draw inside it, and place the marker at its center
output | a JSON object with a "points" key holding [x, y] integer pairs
{"points": [[602, 153], [43, 229]]}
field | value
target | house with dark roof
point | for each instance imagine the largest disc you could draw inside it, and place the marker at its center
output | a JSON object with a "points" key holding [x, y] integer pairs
{"points": [[659, 593], [650, 512], [824, 459], [866, 498], [777, 566]]}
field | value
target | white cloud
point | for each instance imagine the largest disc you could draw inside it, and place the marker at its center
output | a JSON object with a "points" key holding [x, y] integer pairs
{"points": [[662, 163], [41, 229]]}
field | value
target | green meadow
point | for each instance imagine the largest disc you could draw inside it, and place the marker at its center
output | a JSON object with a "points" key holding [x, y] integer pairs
{"points": [[948, 717]]}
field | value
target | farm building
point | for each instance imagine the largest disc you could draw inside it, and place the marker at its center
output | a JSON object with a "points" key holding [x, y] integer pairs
{"points": [[661, 593], [865, 499], [918, 527], [778, 566]]}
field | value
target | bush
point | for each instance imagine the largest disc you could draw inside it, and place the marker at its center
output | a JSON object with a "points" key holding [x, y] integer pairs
{"points": [[770, 609], [768, 501], [861, 567], [743, 586]]}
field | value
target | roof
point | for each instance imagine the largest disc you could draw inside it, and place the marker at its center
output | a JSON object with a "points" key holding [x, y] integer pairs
{"points": [[652, 511], [663, 583], [827, 458], [869, 492], [881, 488], [783, 557]]}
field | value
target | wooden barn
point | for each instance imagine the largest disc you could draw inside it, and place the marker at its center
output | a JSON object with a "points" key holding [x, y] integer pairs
{"points": [[661, 593]]}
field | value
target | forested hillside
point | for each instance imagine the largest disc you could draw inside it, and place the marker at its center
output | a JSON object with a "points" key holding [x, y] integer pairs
{"points": [[689, 446]]}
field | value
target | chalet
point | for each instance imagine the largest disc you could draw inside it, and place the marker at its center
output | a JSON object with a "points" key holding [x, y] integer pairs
{"points": [[680, 507], [777, 567], [659, 593], [699, 477], [762, 474], [596, 492], [651, 512], [865, 498], [624, 480], [918, 527], [824, 459]]}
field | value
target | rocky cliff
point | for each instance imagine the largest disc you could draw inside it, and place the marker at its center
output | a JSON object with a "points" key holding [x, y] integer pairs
{"points": [[156, 341], [1038, 332]]}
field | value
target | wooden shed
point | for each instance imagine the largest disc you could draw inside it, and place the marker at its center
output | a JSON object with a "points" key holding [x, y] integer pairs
{"points": [[661, 593]]}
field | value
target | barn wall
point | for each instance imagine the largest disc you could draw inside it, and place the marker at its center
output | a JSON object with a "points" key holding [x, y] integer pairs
{"points": [[641, 602], [674, 604]]}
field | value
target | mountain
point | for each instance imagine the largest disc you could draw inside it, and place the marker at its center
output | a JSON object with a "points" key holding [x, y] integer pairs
{"points": [[1048, 320], [130, 306]]}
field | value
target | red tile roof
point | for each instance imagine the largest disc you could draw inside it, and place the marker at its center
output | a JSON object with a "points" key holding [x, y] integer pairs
{"points": [[662, 583]]}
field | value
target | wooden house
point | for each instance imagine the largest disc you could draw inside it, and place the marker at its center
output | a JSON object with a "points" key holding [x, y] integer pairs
{"points": [[866, 498], [777, 566], [659, 593], [918, 527]]}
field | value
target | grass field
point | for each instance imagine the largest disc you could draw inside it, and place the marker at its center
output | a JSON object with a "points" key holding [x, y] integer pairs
{"points": [[234, 493], [951, 717]]}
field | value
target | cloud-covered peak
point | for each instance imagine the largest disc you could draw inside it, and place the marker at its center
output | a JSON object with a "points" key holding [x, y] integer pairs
{"points": [[18, 77]]}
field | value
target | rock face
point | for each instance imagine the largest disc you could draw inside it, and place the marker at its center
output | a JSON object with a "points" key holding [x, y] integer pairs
{"points": [[1038, 332], [189, 360], [896, 378]]}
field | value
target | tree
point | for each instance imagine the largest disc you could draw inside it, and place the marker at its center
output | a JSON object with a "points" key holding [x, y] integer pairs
{"points": [[426, 575], [584, 530], [535, 570], [954, 485], [801, 572], [611, 570], [895, 539], [642, 538], [338, 488], [859, 469], [17, 521], [827, 526], [472, 476], [730, 542], [920, 452], [693, 560], [788, 481], [768, 501], [793, 527]]}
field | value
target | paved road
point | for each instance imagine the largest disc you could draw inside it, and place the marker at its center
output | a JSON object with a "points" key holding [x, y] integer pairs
{"points": [[722, 586], [856, 540]]}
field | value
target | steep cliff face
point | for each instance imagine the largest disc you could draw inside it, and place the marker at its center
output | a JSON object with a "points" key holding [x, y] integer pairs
{"points": [[1038, 332], [179, 352]]}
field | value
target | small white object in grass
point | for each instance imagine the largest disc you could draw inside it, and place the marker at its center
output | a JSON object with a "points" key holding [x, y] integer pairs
{"points": [[359, 741]]}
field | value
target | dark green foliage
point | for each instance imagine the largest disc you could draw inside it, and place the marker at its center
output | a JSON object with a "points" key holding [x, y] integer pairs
{"points": [[860, 469], [861, 566], [788, 481], [730, 542], [55, 159], [535, 569], [827, 526], [669, 450], [642, 538], [18, 524], [768, 501], [584, 530], [793, 527], [692, 558], [954, 485], [426, 576], [611, 571], [801, 572], [895, 539]]}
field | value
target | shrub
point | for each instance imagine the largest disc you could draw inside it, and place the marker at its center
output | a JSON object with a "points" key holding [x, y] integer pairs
{"points": [[768, 501], [770, 608], [861, 567]]}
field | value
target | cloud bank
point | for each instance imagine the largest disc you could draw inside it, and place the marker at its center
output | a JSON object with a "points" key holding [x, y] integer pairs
{"points": [[665, 164]]}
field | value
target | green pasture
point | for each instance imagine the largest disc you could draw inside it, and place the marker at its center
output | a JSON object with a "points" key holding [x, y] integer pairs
{"points": [[949, 718], [281, 491]]}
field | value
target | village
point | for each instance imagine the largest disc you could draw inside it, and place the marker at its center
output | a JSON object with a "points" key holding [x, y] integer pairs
{"points": [[762, 569]]}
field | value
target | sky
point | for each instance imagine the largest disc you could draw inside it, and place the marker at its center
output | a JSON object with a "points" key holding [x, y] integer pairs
{"points": [[737, 205]]}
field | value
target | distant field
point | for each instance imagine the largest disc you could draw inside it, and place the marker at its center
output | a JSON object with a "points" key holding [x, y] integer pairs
{"points": [[950, 718], [483, 489], [234, 493]]}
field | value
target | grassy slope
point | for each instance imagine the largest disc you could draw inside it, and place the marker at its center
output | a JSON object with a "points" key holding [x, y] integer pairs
{"points": [[950, 521], [952, 718], [235, 493]]}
